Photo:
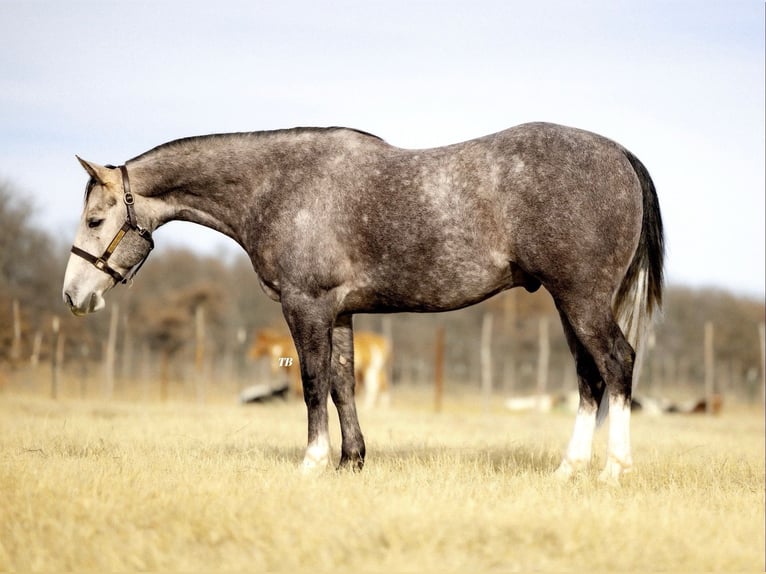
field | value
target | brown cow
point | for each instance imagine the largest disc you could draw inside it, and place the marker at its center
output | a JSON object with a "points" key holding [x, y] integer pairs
{"points": [[371, 355]]}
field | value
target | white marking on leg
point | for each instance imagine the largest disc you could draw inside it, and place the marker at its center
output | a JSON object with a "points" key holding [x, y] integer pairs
{"points": [[618, 458], [317, 454], [580, 447]]}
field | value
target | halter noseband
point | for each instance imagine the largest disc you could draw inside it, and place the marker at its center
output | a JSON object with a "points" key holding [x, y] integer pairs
{"points": [[131, 224]]}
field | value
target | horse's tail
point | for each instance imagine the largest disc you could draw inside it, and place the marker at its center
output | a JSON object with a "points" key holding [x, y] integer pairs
{"points": [[640, 293]]}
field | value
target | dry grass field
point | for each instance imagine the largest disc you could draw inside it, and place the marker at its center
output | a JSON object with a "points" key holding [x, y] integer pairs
{"points": [[130, 486]]}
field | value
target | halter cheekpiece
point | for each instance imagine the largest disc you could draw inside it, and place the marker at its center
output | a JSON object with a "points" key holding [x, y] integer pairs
{"points": [[131, 224]]}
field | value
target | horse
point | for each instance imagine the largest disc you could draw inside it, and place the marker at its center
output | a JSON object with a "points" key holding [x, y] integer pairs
{"points": [[336, 221], [371, 355]]}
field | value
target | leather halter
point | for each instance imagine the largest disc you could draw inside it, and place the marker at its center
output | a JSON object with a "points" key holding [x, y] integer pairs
{"points": [[131, 224]]}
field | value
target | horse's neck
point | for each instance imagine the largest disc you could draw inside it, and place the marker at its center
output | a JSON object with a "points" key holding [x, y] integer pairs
{"points": [[211, 189]]}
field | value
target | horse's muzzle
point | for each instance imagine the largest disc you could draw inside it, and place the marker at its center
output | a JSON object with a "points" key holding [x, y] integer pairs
{"points": [[89, 305]]}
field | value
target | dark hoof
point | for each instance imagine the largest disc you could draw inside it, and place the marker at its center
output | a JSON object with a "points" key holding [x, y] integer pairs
{"points": [[353, 462]]}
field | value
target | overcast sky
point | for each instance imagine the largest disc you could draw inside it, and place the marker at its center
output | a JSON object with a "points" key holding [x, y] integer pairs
{"points": [[680, 83]]}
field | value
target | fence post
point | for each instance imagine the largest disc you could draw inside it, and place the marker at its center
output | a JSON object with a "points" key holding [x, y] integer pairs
{"points": [[199, 351], [762, 336], [146, 371], [709, 366], [84, 354], [55, 358], [111, 346], [510, 315], [164, 374], [439, 369], [388, 334], [37, 343], [647, 367], [486, 360], [16, 345], [543, 360], [127, 374], [240, 363]]}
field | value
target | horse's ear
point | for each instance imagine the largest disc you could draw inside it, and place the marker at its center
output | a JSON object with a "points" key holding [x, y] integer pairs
{"points": [[100, 173]]}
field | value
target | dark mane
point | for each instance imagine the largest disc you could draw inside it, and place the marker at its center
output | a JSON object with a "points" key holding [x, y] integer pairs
{"points": [[257, 134]]}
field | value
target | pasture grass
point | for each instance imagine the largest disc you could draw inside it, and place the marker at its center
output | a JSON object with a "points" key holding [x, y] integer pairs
{"points": [[121, 486]]}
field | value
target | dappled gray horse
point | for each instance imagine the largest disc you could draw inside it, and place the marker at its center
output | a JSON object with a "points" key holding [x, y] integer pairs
{"points": [[337, 222]]}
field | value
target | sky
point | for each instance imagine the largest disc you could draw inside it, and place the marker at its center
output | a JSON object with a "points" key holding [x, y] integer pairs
{"points": [[679, 83]]}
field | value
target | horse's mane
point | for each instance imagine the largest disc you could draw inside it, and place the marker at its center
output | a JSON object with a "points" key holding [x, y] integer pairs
{"points": [[257, 134]]}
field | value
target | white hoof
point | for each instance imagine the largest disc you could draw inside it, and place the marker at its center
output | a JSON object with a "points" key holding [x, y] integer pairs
{"points": [[614, 470], [569, 468], [311, 466], [564, 472], [317, 456]]}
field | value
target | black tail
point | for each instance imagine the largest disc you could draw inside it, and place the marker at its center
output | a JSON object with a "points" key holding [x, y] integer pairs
{"points": [[650, 253]]}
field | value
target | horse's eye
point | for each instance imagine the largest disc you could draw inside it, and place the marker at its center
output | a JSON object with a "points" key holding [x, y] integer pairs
{"points": [[93, 223]]}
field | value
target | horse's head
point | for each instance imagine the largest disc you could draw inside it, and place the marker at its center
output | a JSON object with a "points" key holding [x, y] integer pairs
{"points": [[110, 244]]}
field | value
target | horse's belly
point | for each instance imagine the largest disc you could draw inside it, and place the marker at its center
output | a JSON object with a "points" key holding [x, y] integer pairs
{"points": [[433, 288]]}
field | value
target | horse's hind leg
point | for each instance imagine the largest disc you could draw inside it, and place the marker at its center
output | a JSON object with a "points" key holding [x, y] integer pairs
{"points": [[342, 392], [593, 324], [591, 388]]}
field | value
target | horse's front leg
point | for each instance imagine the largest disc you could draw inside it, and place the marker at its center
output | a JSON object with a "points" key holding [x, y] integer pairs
{"points": [[342, 390], [310, 321]]}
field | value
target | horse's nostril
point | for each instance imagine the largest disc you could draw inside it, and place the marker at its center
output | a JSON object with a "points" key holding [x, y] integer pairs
{"points": [[68, 300]]}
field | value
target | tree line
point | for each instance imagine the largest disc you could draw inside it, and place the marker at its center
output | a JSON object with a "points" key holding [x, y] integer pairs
{"points": [[159, 317]]}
